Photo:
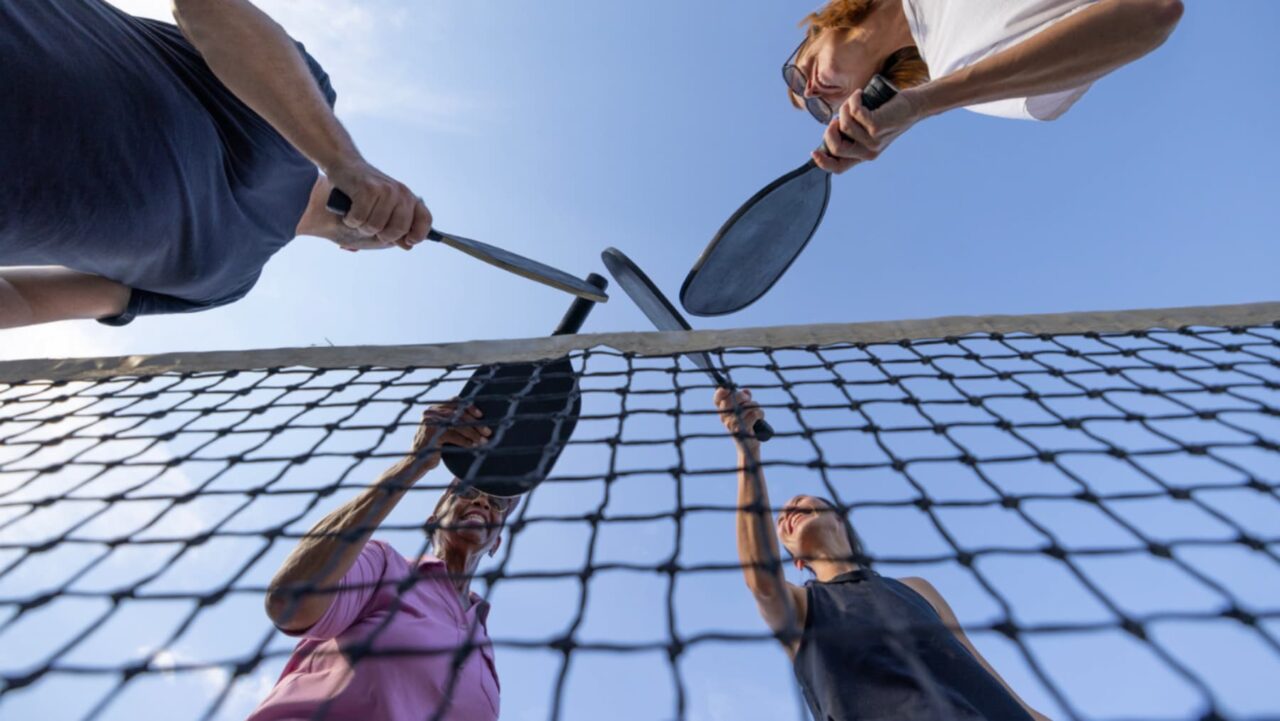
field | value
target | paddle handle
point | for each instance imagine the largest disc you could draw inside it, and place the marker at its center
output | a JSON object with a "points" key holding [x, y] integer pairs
{"points": [[762, 430], [878, 92], [339, 203], [577, 314]]}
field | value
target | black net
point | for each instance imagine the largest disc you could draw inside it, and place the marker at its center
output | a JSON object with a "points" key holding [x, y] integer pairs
{"points": [[1101, 510]]}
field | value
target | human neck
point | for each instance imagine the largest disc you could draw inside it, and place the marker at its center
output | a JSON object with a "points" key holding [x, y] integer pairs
{"points": [[825, 570], [461, 566]]}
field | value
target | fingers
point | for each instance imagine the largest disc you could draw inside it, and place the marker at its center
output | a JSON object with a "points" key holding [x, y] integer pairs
{"points": [[832, 165], [383, 209], [852, 137], [447, 426], [421, 226], [738, 411], [856, 124], [398, 224]]}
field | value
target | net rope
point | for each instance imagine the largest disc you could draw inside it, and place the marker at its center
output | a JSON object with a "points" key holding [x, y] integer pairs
{"points": [[1067, 479]]}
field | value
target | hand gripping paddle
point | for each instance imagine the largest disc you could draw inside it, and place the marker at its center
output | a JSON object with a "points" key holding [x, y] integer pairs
{"points": [[763, 238], [340, 204], [532, 408], [665, 316]]}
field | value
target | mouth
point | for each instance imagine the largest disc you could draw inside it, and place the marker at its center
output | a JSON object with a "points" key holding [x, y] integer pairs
{"points": [[474, 518]]}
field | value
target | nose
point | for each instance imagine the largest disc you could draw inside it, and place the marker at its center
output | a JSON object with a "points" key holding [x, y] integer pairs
{"points": [[810, 84]]}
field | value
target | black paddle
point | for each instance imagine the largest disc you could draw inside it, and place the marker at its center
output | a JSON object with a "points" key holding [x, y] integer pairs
{"points": [[763, 238], [665, 316], [340, 204], [532, 408]]}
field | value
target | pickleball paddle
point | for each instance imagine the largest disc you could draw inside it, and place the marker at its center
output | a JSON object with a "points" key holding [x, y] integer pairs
{"points": [[532, 408], [763, 238], [664, 316], [340, 204]]}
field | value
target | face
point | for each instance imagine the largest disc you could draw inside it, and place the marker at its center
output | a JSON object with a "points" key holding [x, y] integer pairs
{"points": [[809, 527], [835, 63], [472, 522]]}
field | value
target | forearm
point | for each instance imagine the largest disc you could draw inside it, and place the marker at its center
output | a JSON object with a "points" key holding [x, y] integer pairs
{"points": [[325, 555], [1073, 52], [757, 540], [258, 61], [47, 294]]}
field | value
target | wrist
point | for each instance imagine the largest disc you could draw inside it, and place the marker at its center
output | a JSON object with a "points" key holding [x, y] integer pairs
{"points": [[341, 162], [933, 98], [411, 469]]}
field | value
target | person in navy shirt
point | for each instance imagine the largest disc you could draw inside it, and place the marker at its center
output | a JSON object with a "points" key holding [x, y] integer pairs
{"points": [[152, 168]]}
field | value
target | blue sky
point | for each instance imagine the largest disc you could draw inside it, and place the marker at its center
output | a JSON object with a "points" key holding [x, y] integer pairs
{"points": [[558, 129]]}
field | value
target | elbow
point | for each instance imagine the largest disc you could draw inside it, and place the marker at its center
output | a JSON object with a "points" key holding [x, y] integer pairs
{"points": [[1158, 18], [276, 605], [285, 609], [1166, 14]]}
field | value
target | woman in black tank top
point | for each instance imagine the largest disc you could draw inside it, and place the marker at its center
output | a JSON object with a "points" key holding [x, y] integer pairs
{"points": [[863, 646]]}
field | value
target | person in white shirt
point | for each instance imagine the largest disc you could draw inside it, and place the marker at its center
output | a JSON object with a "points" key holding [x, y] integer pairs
{"points": [[1030, 59]]}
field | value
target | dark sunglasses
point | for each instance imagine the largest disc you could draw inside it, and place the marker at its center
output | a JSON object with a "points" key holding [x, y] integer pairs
{"points": [[797, 82], [502, 503]]}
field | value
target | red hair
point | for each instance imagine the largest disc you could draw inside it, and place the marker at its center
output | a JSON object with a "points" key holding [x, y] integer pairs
{"points": [[904, 67]]}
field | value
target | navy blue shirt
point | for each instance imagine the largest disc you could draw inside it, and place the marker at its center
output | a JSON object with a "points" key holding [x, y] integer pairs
{"points": [[122, 155], [875, 650]]}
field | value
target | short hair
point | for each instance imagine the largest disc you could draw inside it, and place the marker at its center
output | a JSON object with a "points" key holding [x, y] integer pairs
{"points": [[905, 68]]}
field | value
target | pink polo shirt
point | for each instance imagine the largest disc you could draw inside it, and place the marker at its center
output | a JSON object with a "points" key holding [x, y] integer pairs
{"points": [[400, 687]]}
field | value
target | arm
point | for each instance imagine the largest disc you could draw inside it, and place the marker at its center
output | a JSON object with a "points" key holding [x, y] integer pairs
{"points": [[323, 557], [258, 61], [935, 599], [783, 606], [46, 294], [1076, 51]]}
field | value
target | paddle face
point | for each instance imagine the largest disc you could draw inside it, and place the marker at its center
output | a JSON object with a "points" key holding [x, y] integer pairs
{"points": [[340, 204], [664, 316], [759, 242], [532, 408]]}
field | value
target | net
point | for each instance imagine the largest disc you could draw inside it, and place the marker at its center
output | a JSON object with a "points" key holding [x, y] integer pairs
{"points": [[1096, 495]]}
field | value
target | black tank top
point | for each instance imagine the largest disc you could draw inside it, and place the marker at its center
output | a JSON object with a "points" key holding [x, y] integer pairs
{"points": [[875, 649]]}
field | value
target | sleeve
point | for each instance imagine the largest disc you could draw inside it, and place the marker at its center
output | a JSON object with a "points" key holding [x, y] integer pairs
{"points": [[144, 302], [355, 591], [1048, 106]]}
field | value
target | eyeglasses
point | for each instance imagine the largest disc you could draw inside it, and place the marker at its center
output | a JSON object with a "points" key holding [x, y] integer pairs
{"points": [[502, 503], [797, 82]]}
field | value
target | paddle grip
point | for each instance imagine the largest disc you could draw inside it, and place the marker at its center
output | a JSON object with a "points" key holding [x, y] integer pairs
{"points": [[878, 92], [339, 203], [577, 314], [763, 430]]}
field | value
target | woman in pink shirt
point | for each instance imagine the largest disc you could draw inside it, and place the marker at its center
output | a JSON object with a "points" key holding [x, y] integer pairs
{"points": [[385, 638]]}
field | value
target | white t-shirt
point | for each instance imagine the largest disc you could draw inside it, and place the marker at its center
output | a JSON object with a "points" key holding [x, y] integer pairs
{"points": [[954, 34]]}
